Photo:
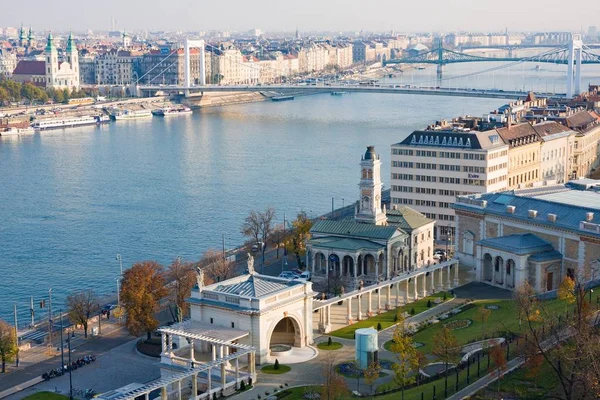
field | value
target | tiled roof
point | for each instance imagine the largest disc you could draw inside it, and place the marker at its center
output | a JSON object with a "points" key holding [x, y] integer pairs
{"points": [[407, 218], [353, 228], [519, 131], [546, 256], [550, 128], [521, 244], [30, 68], [256, 286], [580, 120]]}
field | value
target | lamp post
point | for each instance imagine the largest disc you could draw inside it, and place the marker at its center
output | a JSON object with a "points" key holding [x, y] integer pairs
{"points": [[118, 292], [50, 314], [70, 370], [120, 263], [591, 291]]}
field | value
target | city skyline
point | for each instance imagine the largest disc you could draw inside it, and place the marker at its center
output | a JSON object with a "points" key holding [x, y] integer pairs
{"points": [[311, 15]]}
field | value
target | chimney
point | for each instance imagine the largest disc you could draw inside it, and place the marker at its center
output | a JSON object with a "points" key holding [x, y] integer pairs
{"points": [[589, 216], [532, 213], [552, 217], [510, 209]]}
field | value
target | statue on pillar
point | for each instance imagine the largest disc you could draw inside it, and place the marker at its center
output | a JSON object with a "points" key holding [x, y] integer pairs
{"points": [[250, 264], [199, 277]]}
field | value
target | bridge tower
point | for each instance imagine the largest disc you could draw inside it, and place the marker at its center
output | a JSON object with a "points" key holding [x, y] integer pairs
{"points": [[202, 67], [440, 61], [575, 51]]}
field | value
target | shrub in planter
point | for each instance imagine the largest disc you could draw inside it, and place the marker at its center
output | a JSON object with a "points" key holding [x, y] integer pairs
{"points": [[276, 366], [445, 296], [379, 326], [267, 393], [396, 318], [329, 341], [243, 386], [286, 384], [412, 311], [429, 303], [249, 381], [259, 397]]}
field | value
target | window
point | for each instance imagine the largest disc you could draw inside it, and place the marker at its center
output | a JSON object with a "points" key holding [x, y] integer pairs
{"points": [[211, 321]]}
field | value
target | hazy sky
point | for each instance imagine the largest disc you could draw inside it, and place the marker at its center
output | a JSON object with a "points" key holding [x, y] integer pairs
{"points": [[280, 15]]}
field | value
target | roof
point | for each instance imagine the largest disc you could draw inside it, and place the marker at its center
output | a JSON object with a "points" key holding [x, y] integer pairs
{"points": [[30, 68], [579, 198], [254, 286], [407, 218], [370, 154], [515, 132], [210, 330], [548, 128], [473, 140], [546, 256], [521, 244], [580, 120], [353, 228], [345, 243]]}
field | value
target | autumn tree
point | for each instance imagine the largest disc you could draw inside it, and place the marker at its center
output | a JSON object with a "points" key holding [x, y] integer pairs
{"points": [[406, 355], [182, 278], [141, 291], [8, 343], [299, 235], [372, 373], [484, 315], [216, 268], [446, 349], [334, 385], [81, 306], [499, 362]]}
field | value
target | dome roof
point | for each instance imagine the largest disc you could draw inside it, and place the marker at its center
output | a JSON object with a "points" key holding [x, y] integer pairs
{"points": [[370, 154]]}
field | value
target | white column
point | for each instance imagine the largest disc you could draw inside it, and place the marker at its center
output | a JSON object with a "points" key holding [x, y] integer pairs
{"points": [[221, 351], [195, 386], [493, 271], [237, 371], [379, 300], [328, 320], [179, 389], [377, 269], [170, 344], [223, 375], [441, 279], [388, 301], [214, 352], [163, 393], [359, 314], [424, 285], [192, 360], [448, 280], [314, 260], [406, 292], [163, 339], [397, 294], [369, 310], [416, 281], [456, 275], [504, 274], [432, 281], [349, 305]]}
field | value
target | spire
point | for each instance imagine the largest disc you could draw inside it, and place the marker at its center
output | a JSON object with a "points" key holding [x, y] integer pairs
{"points": [[30, 36], [22, 32], [71, 44], [50, 46]]}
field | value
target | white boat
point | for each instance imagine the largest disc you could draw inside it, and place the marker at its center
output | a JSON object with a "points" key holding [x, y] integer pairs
{"points": [[68, 122], [170, 111], [131, 114]]}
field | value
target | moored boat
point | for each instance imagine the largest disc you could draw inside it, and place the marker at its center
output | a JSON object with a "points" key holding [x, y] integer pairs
{"points": [[131, 114], [69, 122], [282, 98], [170, 111]]}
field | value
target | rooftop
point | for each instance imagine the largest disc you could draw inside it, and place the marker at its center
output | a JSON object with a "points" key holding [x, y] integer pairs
{"points": [[252, 285], [407, 218], [473, 140], [521, 244], [353, 228]]}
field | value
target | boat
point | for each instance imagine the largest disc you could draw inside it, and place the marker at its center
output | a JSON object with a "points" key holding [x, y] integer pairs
{"points": [[420, 67], [69, 122], [170, 111], [537, 68], [282, 98], [130, 114], [338, 93], [16, 131]]}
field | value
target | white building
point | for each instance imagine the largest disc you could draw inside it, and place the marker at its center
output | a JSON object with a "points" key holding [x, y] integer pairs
{"points": [[8, 63], [62, 74], [430, 168]]}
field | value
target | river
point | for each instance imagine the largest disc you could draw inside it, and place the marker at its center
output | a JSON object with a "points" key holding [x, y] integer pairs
{"points": [[156, 189]]}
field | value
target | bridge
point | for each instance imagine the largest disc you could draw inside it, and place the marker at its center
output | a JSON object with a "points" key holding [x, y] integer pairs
{"points": [[322, 88], [574, 56]]}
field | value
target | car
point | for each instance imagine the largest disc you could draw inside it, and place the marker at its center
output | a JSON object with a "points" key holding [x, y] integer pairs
{"points": [[288, 275], [304, 276], [439, 252]]}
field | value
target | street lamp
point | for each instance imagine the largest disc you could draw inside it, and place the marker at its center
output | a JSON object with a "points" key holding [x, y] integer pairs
{"points": [[120, 263], [118, 292], [591, 291]]}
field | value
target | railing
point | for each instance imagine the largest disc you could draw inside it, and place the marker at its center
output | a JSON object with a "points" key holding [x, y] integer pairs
{"points": [[589, 226]]}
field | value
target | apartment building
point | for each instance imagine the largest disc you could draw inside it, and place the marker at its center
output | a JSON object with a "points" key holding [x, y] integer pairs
{"points": [[430, 168], [167, 66], [525, 147], [8, 63], [586, 148], [556, 163], [114, 67]]}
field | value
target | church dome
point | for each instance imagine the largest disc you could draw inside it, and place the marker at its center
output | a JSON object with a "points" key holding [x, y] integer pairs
{"points": [[370, 153]]}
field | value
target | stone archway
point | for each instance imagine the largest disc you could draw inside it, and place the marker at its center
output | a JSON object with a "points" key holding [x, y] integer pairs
{"points": [[499, 270], [510, 273], [369, 265], [320, 262], [487, 267], [348, 266], [287, 331]]}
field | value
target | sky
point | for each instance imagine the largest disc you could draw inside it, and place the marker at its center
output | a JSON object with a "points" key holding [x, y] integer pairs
{"points": [[308, 15]]}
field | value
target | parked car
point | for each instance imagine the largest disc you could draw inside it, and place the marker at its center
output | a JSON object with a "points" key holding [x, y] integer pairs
{"points": [[304, 276], [288, 275]]}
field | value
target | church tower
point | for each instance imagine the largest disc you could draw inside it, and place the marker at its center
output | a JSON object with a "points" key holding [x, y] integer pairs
{"points": [[30, 39], [73, 60], [51, 62], [126, 40], [22, 37], [369, 206]]}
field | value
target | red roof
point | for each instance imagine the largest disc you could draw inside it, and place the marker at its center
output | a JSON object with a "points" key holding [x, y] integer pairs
{"points": [[30, 68]]}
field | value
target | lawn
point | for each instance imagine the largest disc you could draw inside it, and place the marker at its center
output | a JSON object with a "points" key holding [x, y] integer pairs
{"points": [[46, 396], [334, 346], [525, 387], [296, 393], [270, 369], [386, 319]]}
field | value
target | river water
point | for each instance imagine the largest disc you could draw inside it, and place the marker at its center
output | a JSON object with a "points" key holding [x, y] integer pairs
{"points": [[156, 189]]}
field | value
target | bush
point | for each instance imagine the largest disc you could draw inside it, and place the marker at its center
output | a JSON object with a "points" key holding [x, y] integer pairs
{"points": [[379, 326], [445, 296], [249, 381], [429, 303], [329, 341], [243, 386], [286, 385], [267, 393], [276, 366], [259, 397], [412, 311]]}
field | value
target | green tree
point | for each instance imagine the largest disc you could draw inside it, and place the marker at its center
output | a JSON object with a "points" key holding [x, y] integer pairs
{"points": [[81, 307], [446, 349], [28, 91], [405, 353], [8, 343], [372, 374], [4, 95], [66, 95], [141, 291]]}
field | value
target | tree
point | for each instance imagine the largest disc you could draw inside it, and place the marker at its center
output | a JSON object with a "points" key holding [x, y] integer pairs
{"points": [[8, 343], [446, 349], [566, 290], [182, 278], [334, 386], [484, 315], [252, 226], [216, 268], [422, 362], [372, 374], [141, 291], [405, 353], [66, 95], [276, 366], [278, 238], [28, 91], [4, 95], [499, 360], [300, 234], [81, 307]]}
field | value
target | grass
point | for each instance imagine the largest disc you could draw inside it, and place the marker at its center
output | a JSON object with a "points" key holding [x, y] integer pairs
{"points": [[296, 393], [270, 369], [46, 396], [386, 319], [525, 387], [334, 346]]}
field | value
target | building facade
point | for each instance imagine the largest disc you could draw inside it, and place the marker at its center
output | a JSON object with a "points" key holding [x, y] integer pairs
{"points": [[62, 74]]}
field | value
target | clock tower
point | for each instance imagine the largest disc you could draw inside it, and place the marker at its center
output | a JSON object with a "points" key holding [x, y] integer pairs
{"points": [[369, 205]]}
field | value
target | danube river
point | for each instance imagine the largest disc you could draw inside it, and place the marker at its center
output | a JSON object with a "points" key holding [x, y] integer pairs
{"points": [[156, 189]]}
